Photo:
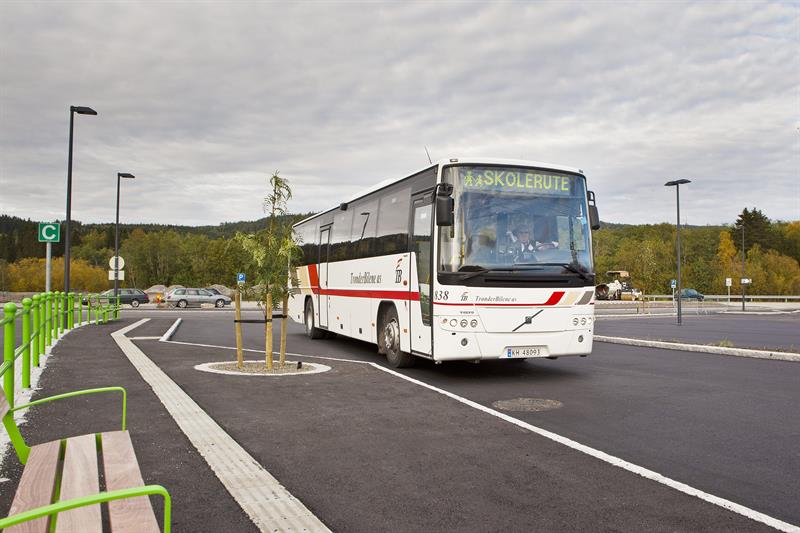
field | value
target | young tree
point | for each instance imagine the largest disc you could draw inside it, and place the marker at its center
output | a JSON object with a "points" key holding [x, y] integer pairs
{"points": [[273, 253]]}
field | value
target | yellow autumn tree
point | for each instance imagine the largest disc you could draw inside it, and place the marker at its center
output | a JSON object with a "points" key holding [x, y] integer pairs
{"points": [[725, 262], [28, 275]]}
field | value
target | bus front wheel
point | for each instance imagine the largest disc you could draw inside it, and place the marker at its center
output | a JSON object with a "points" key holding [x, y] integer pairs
{"points": [[312, 331], [391, 340]]}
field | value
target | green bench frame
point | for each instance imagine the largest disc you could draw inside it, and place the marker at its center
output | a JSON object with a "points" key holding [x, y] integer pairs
{"points": [[23, 452]]}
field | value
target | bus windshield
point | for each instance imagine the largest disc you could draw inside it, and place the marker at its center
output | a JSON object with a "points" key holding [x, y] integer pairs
{"points": [[516, 219]]}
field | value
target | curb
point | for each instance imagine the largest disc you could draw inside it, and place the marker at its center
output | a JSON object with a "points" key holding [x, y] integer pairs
{"points": [[719, 350], [171, 331], [761, 312]]}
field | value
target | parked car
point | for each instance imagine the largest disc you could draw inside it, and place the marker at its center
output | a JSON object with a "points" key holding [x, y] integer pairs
{"points": [[194, 297], [691, 294], [132, 297]]}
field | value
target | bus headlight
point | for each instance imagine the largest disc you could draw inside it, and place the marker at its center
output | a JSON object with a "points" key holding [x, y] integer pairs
{"points": [[581, 322]]}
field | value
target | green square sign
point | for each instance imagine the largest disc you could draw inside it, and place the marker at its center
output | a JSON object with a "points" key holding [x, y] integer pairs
{"points": [[49, 232]]}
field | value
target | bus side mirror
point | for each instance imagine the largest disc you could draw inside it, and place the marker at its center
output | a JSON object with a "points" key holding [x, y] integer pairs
{"points": [[594, 217], [444, 210]]}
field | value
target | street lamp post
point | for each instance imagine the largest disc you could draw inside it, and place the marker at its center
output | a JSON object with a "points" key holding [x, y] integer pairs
{"points": [[741, 281], [116, 234], [81, 110], [677, 184]]}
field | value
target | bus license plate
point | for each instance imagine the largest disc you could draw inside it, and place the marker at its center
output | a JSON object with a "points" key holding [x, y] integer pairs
{"points": [[525, 351]]}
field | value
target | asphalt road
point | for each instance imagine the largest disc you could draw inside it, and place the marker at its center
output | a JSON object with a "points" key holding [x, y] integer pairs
{"points": [[725, 425], [368, 451], [776, 332]]}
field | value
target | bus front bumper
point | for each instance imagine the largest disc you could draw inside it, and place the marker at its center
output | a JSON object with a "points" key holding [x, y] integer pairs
{"points": [[453, 346]]}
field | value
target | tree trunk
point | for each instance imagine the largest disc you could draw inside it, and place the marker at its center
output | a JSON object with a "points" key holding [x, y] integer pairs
{"points": [[283, 329], [268, 327]]}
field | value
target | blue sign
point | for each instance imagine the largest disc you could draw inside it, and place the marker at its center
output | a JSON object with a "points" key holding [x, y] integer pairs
{"points": [[673, 283], [240, 277]]}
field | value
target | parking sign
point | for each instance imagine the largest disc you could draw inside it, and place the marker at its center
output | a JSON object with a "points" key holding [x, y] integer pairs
{"points": [[49, 232], [240, 277]]}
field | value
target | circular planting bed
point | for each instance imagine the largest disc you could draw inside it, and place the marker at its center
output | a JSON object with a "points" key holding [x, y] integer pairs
{"points": [[259, 368]]}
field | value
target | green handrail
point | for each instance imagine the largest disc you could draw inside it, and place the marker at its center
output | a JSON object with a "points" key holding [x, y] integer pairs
{"points": [[44, 318], [9, 338]]}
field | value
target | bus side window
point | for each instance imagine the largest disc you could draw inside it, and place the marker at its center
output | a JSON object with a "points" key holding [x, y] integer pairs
{"points": [[393, 214], [362, 236], [308, 243], [340, 239]]}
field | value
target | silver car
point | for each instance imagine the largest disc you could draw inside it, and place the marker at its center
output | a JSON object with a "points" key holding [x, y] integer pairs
{"points": [[195, 297]]}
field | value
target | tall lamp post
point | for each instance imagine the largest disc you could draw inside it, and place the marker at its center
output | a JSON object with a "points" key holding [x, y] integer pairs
{"points": [[120, 175], [677, 184], [741, 281], [81, 110]]}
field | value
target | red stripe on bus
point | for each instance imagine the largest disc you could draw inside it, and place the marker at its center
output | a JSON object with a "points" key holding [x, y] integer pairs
{"points": [[553, 300], [359, 293], [313, 279]]}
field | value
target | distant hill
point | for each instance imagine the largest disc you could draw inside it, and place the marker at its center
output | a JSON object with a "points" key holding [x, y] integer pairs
{"points": [[18, 235]]}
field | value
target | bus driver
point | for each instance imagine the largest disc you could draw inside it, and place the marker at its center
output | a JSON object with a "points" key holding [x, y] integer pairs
{"points": [[522, 248]]}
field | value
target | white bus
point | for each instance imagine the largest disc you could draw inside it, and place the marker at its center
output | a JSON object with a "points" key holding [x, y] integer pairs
{"points": [[466, 259]]}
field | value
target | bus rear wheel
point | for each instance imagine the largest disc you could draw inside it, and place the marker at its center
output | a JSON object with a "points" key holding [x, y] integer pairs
{"points": [[390, 335], [312, 331]]}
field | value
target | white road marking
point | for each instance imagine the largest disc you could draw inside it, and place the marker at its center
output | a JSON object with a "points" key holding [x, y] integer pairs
{"points": [[610, 459], [703, 348], [268, 504], [597, 454], [171, 331]]}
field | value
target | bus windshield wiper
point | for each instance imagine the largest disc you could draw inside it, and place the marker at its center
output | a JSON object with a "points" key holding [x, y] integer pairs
{"points": [[572, 267], [471, 271]]}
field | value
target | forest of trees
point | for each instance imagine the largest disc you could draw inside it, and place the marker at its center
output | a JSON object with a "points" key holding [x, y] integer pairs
{"points": [[200, 256], [709, 255]]}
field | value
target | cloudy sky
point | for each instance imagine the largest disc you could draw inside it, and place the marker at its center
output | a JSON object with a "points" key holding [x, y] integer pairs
{"points": [[201, 101]]}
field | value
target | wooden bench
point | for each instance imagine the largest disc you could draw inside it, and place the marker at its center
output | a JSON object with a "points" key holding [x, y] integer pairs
{"points": [[61, 480]]}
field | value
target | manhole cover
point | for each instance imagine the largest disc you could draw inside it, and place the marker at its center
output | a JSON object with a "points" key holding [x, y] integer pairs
{"points": [[527, 404], [259, 368]]}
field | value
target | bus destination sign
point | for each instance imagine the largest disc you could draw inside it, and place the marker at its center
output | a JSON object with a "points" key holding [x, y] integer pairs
{"points": [[515, 180]]}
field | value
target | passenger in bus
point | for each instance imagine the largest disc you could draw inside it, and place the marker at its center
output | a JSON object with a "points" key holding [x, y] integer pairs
{"points": [[482, 250]]}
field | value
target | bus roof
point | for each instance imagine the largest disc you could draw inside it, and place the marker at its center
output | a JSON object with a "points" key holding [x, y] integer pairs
{"points": [[450, 161]]}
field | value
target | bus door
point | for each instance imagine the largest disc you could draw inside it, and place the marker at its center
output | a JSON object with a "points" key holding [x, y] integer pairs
{"points": [[420, 281], [322, 268]]}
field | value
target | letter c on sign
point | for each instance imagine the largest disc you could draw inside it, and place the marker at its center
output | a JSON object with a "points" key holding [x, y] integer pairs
{"points": [[49, 232]]}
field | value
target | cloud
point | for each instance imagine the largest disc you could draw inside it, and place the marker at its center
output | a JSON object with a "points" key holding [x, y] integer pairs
{"points": [[203, 101]]}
